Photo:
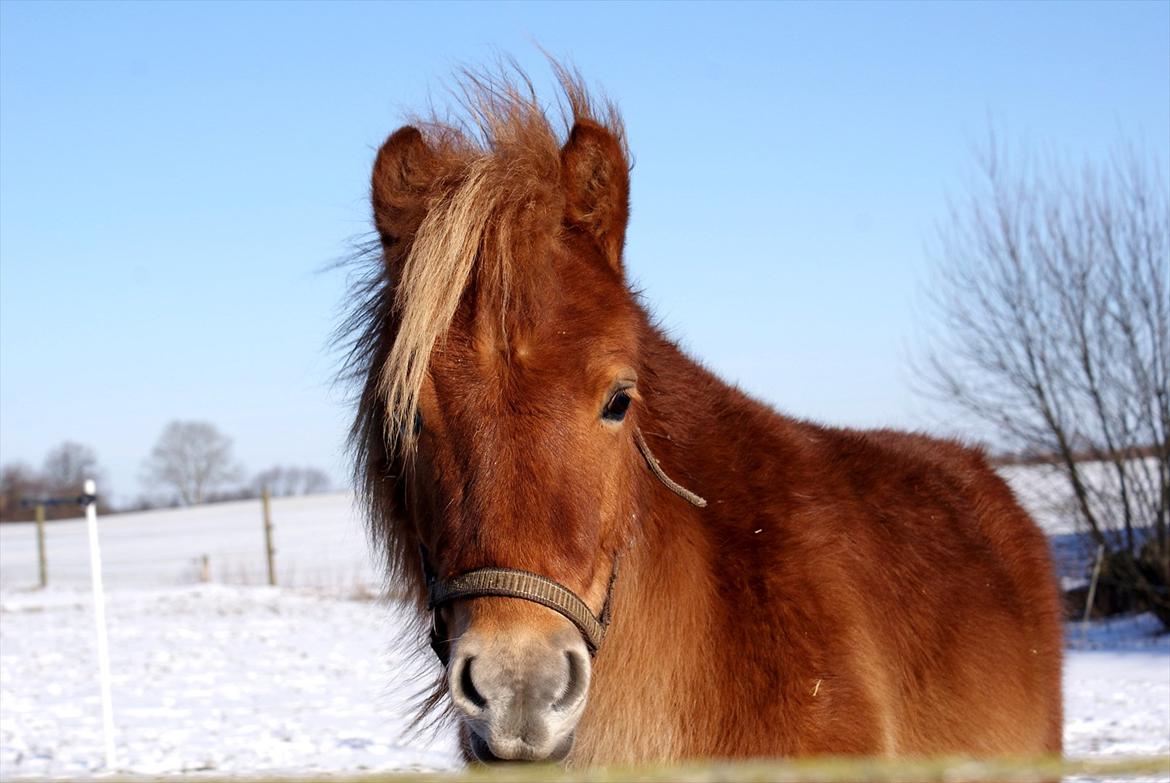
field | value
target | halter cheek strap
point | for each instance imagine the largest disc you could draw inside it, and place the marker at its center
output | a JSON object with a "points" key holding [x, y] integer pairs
{"points": [[514, 583]]}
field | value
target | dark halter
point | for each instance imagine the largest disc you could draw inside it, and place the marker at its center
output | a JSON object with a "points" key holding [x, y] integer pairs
{"points": [[514, 583]]}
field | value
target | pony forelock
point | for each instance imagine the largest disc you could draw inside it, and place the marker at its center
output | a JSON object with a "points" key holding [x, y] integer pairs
{"points": [[495, 205]]}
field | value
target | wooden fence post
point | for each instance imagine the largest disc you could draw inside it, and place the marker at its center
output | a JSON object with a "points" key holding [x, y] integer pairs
{"points": [[42, 557], [268, 548], [1092, 592]]}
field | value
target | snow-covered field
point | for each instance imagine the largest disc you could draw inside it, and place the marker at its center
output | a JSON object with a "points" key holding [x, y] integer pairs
{"points": [[210, 678], [319, 542], [1117, 688], [237, 677], [246, 679]]}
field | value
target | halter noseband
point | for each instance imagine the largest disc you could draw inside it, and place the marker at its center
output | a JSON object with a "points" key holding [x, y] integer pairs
{"points": [[514, 583]]}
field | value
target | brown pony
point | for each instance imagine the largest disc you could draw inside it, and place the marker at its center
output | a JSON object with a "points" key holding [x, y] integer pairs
{"points": [[524, 429]]}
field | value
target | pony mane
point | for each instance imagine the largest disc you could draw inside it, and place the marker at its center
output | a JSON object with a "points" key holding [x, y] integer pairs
{"points": [[495, 205]]}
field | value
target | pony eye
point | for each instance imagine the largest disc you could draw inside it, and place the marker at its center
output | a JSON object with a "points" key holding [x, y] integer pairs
{"points": [[615, 409]]}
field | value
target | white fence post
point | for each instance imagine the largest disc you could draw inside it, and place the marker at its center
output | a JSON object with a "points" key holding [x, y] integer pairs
{"points": [[99, 616]]}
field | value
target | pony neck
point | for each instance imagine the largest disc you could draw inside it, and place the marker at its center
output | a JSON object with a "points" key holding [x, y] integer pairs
{"points": [[653, 667]]}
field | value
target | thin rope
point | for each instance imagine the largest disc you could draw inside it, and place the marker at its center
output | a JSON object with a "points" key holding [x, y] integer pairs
{"points": [[657, 470]]}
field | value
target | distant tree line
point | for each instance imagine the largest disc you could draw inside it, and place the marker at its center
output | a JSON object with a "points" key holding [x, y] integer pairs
{"points": [[1041, 457], [282, 481], [62, 474], [191, 463]]}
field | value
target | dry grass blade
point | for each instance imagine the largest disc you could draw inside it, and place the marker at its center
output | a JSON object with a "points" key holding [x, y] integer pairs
{"points": [[821, 770]]}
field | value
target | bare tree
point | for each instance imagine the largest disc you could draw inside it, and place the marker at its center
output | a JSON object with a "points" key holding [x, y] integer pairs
{"points": [[1053, 298], [67, 467], [284, 481], [193, 460], [65, 470]]}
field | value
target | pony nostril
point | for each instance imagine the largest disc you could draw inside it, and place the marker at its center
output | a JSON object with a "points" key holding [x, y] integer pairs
{"points": [[577, 682], [468, 687]]}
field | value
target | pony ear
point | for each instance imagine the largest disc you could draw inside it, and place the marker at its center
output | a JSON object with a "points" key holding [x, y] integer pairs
{"points": [[403, 173], [596, 178]]}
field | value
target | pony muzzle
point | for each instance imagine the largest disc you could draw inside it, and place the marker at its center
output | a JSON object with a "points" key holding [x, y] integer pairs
{"points": [[520, 694]]}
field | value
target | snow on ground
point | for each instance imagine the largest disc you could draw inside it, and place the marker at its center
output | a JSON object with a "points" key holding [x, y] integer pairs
{"points": [[247, 679], [1117, 688], [209, 678]]}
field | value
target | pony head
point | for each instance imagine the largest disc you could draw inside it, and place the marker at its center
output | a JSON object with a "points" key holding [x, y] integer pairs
{"points": [[501, 368]]}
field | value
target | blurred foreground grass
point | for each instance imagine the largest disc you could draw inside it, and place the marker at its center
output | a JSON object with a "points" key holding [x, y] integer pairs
{"points": [[823, 770]]}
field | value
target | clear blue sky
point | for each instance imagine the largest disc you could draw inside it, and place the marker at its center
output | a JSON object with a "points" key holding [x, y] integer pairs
{"points": [[173, 176]]}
